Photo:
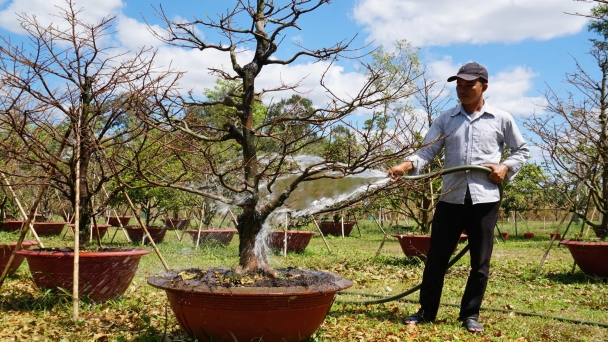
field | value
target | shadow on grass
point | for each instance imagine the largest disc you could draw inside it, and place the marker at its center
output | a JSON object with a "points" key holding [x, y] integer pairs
{"points": [[576, 277]]}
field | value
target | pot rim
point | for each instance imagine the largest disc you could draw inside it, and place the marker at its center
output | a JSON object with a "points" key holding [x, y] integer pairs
{"points": [[226, 230], [583, 243], [83, 254], [163, 280]]}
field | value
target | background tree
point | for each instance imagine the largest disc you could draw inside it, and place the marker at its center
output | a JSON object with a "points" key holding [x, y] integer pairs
{"points": [[243, 165], [64, 78], [574, 135]]}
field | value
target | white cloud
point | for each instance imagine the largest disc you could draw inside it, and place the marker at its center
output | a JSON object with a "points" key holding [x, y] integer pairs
{"points": [[445, 22], [134, 34], [93, 11]]}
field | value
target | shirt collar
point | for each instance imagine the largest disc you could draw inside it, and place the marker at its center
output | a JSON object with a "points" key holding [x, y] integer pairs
{"points": [[486, 109]]}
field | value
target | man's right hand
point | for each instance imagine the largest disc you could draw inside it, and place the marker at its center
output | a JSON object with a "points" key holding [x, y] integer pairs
{"points": [[399, 170]]}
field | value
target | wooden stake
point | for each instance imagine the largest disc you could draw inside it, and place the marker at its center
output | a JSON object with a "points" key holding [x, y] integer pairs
{"points": [[75, 294], [200, 225], [384, 239], [22, 211], [320, 232], [143, 226]]}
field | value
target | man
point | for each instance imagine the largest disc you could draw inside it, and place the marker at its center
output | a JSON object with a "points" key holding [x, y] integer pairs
{"points": [[473, 133]]}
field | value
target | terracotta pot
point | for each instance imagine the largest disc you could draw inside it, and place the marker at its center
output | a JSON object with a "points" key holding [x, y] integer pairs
{"points": [[177, 223], [335, 228], [504, 235], [600, 233], [136, 233], [414, 245], [297, 240], [114, 221], [528, 235], [6, 249], [103, 275], [589, 256], [557, 236], [48, 228], [222, 236], [11, 226], [417, 245], [103, 228], [250, 313]]}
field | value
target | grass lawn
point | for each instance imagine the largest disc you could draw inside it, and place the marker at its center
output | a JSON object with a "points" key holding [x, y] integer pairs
{"points": [[142, 314]]}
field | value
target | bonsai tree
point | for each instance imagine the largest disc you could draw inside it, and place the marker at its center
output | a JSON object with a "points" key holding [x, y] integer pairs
{"points": [[229, 140], [65, 81], [573, 136]]}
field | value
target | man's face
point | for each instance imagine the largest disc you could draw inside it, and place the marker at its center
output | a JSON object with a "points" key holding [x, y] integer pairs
{"points": [[470, 92]]}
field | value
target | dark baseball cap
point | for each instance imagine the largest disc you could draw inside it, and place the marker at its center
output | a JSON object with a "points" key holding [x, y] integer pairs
{"points": [[470, 72]]}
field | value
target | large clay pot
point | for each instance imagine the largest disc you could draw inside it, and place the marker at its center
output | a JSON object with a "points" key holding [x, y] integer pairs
{"points": [[11, 225], [6, 249], [418, 245], [103, 275], [414, 245], [103, 229], [114, 221], [136, 233], [48, 228], [528, 235], [250, 313], [222, 236], [297, 240], [335, 228], [589, 256], [177, 223]]}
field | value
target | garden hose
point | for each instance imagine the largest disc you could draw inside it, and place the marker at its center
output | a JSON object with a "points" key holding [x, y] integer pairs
{"points": [[452, 262], [400, 296]]}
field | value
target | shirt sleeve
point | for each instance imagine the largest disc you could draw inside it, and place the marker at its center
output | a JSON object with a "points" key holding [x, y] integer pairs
{"points": [[431, 146], [518, 147]]}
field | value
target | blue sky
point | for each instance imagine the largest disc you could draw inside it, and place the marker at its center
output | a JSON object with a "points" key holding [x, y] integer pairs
{"points": [[526, 45]]}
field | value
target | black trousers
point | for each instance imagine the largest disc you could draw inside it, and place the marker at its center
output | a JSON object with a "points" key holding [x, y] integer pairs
{"points": [[448, 223]]}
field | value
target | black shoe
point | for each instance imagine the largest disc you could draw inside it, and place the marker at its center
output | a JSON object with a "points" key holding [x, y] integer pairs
{"points": [[472, 324], [417, 318]]}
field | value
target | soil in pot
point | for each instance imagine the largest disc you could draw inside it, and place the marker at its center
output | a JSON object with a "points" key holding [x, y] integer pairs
{"points": [[6, 249], [215, 305], [211, 236], [114, 221], [104, 273], [297, 240], [48, 228], [335, 228], [136, 234]]}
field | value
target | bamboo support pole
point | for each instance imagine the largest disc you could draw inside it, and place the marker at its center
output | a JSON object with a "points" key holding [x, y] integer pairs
{"points": [[384, 237], [75, 294], [200, 226], [22, 211], [143, 226], [320, 232]]}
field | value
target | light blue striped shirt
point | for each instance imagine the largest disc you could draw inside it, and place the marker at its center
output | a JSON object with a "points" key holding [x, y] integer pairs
{"points": [[472, 139]]}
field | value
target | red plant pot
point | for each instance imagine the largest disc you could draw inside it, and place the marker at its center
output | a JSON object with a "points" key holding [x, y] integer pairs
{"points": [[528, 235], [136, 234], [103, 229], [114, 221], [557, 236], [177, 223], [297, 240], [6, 249], [12, 226], [335, 228], [102, 275], [414, 245], [222, 236], [48, 228], [504, 235], [589, 256], [250, 313]]}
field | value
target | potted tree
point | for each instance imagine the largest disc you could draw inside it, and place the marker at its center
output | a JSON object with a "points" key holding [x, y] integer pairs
{"points": [[245, 148], [580, 162], [95, 94]]}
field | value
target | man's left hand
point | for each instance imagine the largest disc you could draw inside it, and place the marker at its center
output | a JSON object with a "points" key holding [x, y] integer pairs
{"points": [[499, 172]]}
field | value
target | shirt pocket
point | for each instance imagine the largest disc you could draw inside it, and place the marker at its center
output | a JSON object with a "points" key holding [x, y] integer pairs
{"points": [[489, 141]]}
